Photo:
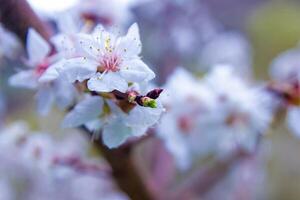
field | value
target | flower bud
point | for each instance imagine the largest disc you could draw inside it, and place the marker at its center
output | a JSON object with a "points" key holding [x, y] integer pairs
{"points": [[154, 94], [148, 102]]}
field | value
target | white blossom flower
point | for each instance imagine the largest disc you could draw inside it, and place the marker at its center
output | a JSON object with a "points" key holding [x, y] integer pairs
{"points": [[118, 126], [285, 71], [187, 102], [213, 115], [242, 112], [39, 61], [112, 12], [110, 62]]}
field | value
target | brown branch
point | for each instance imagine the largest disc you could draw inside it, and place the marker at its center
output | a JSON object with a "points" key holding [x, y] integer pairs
{"points": [[17, 16], [125, 171]]}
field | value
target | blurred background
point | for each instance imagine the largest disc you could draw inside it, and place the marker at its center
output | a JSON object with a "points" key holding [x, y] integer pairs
{"points": [[195, 34]]}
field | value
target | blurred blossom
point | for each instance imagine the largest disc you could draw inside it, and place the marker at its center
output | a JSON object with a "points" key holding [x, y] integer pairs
{"points": [[285, 71], [43, 167], [47, 9], [227, 48], [113, 12], [218, 114], [40, 61], [186, 104]]}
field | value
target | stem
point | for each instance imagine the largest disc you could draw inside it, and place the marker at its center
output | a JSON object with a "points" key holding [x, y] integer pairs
{"points": [[124, 170]]}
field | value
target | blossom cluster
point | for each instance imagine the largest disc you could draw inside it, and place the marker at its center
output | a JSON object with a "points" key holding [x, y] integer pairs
{"points": [[98, 75], [45, 167], [215, 114]]}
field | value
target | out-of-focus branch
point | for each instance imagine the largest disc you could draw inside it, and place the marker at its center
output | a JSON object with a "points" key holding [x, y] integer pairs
{"points": [[202, 181], [125, 171], [17, 16]]}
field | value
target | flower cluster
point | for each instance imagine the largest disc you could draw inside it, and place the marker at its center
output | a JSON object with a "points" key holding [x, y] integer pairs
{"points": [[218, 113], [50, 168], [109, 76]]}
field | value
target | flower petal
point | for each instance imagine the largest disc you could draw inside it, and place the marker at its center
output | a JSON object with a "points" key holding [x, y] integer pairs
{"points": [[143, 116], [115, 133], [37, 47], [88, 46], [293, 118], [107, 82], [52, 72], [136, 71], [78, 69], [86, 111], [65, 93], [130, 45], [45, 99], [24, 79]]}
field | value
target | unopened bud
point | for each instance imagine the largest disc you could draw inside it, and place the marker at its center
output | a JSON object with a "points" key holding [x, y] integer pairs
{"points": [[154, 94], [148, 102]]}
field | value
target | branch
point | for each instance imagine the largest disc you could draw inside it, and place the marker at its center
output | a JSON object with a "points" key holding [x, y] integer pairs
{"points": [[125, 171], [17, 16]]}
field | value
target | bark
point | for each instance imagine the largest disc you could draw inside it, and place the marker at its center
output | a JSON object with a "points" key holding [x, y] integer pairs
{"points": [[125, 171]]}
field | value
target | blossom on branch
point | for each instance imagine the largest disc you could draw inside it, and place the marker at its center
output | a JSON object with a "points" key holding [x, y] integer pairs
{"points": [[39, 61]]}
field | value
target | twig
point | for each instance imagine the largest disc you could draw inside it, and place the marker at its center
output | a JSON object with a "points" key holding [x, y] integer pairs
{"points": [[125, 171], [17, 16]]}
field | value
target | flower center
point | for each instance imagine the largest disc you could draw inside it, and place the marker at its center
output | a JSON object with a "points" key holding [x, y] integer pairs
{"points": [[235, 119], [110, 63], [186, 123]]}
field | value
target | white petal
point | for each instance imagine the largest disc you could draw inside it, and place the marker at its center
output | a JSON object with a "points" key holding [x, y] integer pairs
{"points": [[78, 69], [107, 82], [88, 46], [87, 110], [130, 45], [136, 71], [65, 93], [115, 133], [37, 47], [94, 125], [25, 79], [52, 72], [67, 23], [293, 119], [143, 116], [65, 45], [45, 99]]}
